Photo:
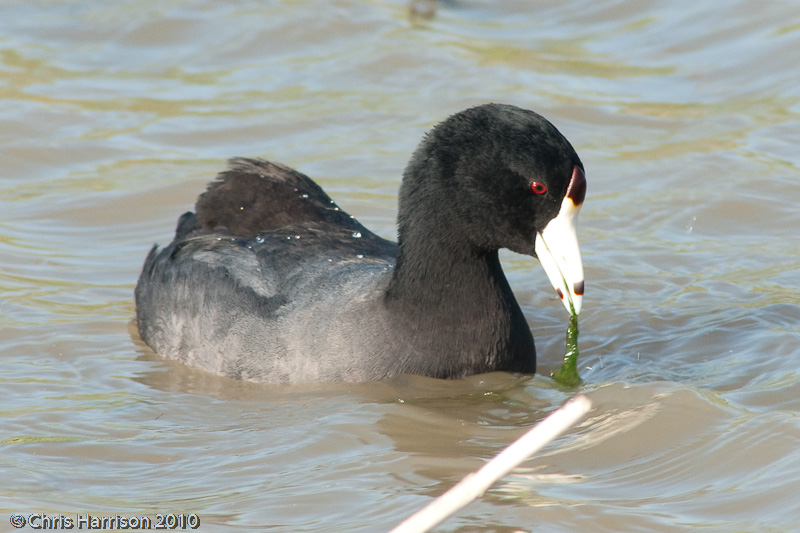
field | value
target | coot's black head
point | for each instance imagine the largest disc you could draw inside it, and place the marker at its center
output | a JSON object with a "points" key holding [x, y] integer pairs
{"points": [[497, 176]]}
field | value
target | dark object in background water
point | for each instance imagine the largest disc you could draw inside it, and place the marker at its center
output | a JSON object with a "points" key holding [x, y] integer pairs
{"points": [[270, 281], [422, 9]]}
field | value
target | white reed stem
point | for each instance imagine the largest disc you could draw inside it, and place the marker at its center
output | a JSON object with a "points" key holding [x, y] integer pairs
{"points": [[475, 484]]}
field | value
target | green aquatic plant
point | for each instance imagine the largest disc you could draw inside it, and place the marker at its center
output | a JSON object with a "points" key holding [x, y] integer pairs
{"points": [[567, 375]]}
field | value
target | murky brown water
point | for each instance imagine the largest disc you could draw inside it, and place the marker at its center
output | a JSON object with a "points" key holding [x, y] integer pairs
{"points": [[116, 114]]}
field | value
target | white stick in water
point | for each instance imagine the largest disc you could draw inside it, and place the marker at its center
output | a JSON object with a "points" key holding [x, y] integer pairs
{"points": [[475, 484]]}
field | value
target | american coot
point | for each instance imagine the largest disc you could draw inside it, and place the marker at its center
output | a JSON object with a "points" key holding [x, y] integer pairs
{"points": [[270, 281]]}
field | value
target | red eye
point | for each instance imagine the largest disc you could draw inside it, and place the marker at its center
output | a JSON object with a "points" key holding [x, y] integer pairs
{"points": [[538, 187]]}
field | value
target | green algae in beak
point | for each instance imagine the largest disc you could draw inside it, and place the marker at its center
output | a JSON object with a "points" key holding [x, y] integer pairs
{"points": [[567, 375]]}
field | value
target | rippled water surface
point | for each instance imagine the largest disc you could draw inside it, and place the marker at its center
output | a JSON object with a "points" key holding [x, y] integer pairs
{"points": [[114, 115]]}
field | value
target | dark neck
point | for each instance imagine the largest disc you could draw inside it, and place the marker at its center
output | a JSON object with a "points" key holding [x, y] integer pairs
{"points": [[455, 307]]}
